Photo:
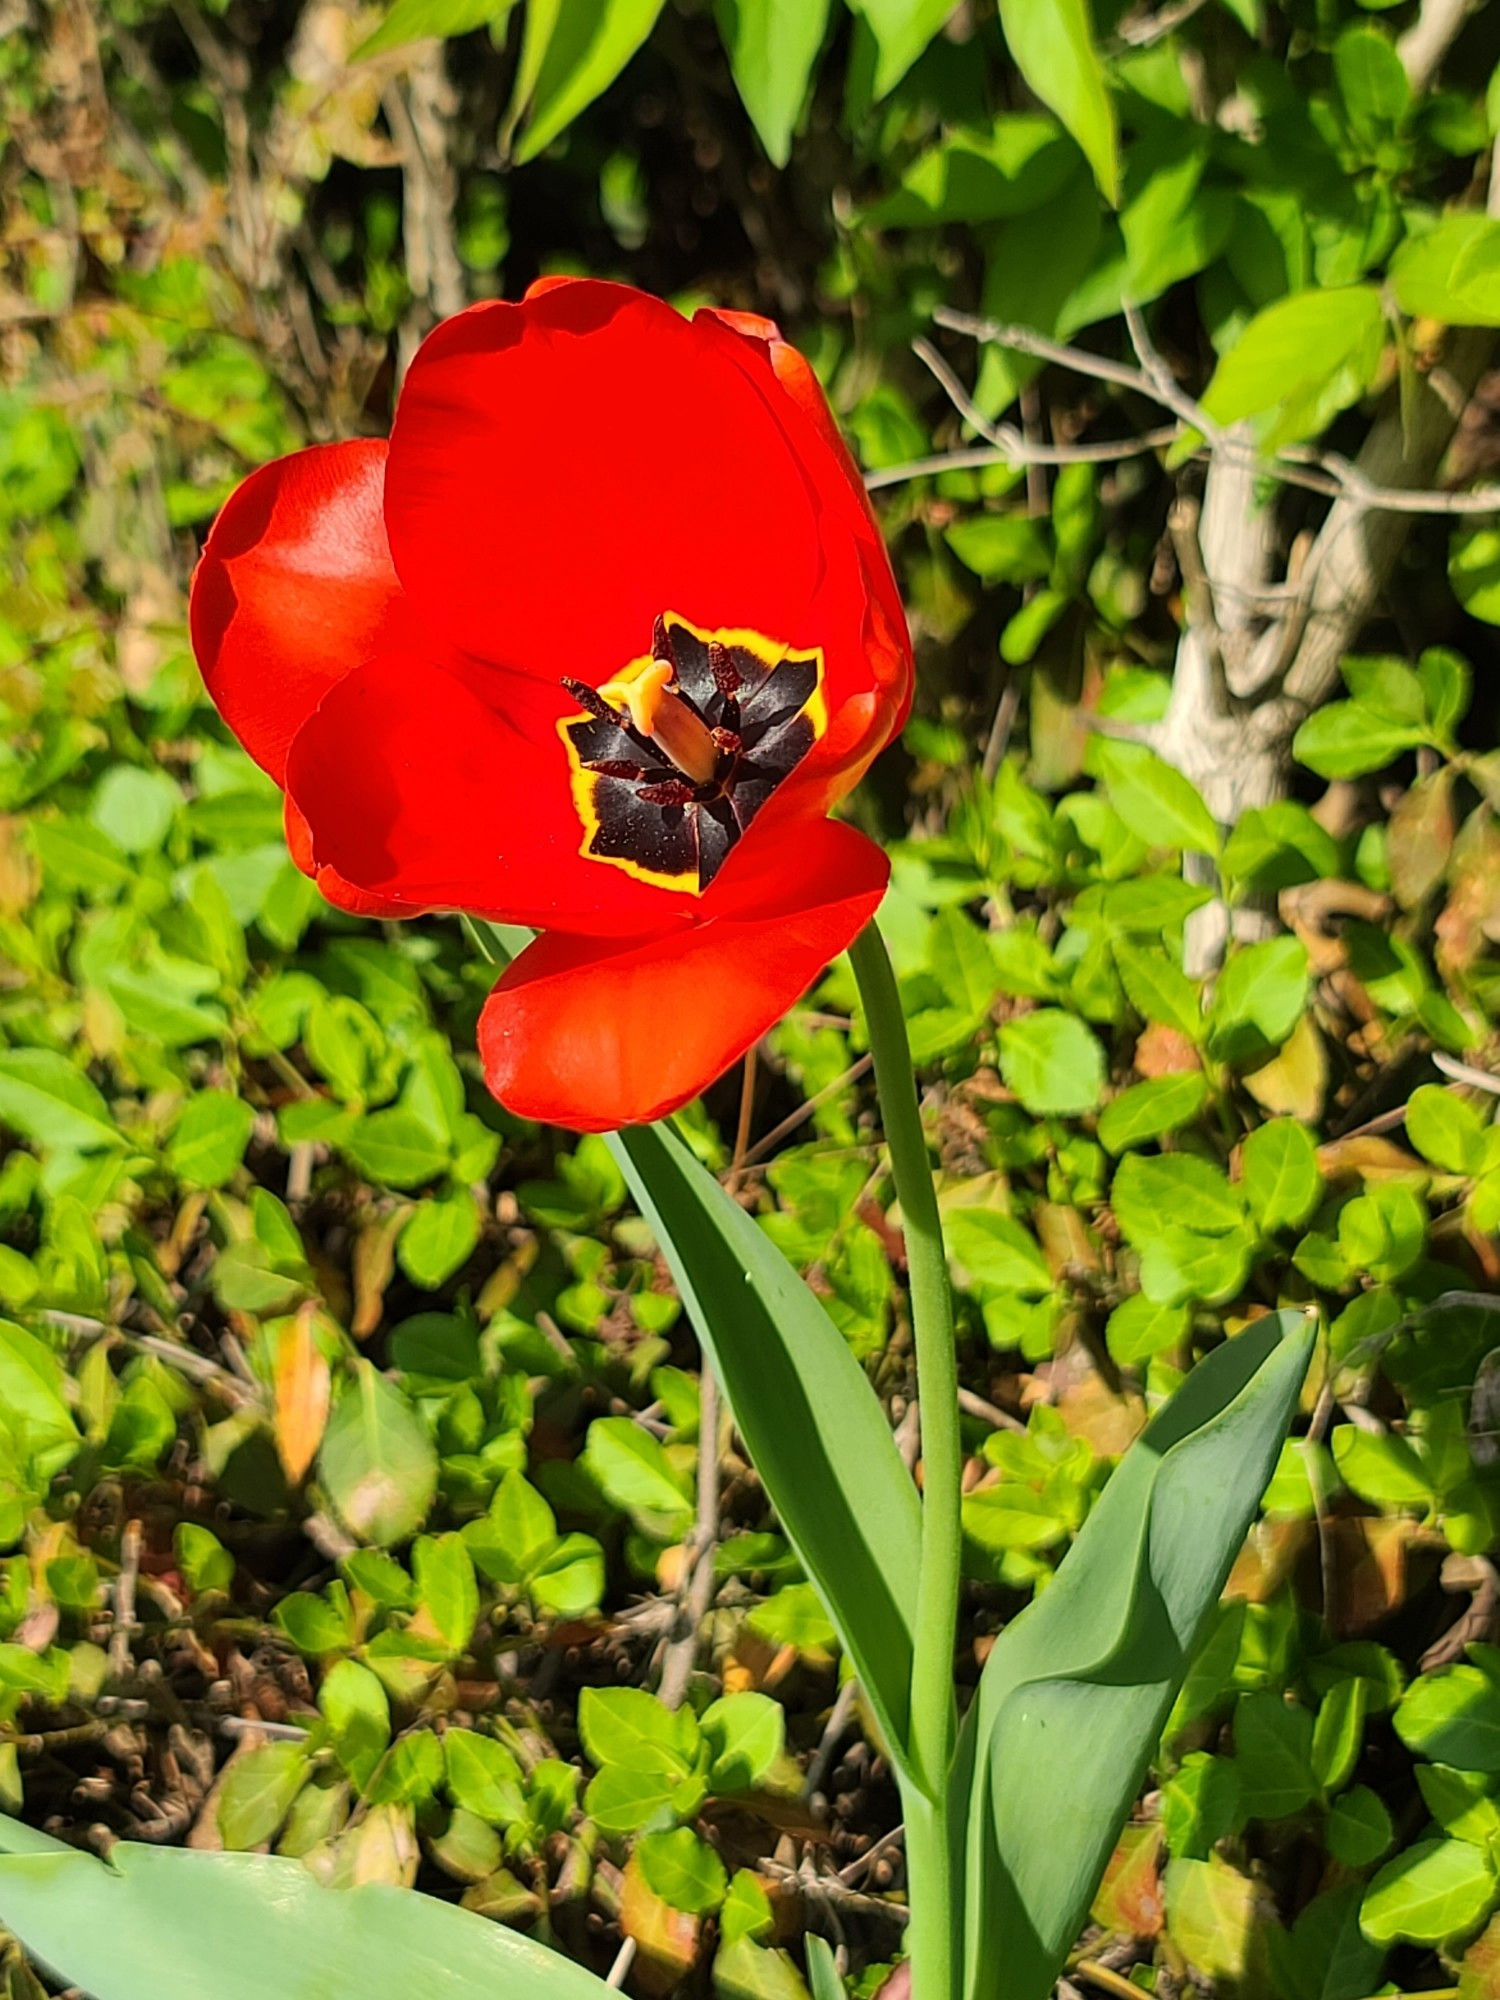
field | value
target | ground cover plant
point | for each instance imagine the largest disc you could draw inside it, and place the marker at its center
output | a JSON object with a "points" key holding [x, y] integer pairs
{"points": [[368, 1510]]}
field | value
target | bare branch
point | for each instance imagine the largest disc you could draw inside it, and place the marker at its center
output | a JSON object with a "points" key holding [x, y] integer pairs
{"points": [[1014, 450], [1026, 340], [1429, 38], [1141, 31], [1359, 542], [1327, 473]]}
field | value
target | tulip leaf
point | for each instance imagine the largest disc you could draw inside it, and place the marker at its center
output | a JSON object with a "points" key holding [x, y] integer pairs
{"points": [[156, 1923], [1077, 1689], [813, 1424]]}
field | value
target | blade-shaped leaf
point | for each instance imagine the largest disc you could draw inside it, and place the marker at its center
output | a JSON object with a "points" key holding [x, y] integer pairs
{"points": [[813, 1424], [171, 1923], [772, 46], [1077, 1689], [572, 50], [1053, 45]]}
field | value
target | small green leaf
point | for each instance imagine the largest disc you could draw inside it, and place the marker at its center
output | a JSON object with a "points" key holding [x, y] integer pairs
{"points": [[1139, 1328], [354, 1704], [1427, 1893], [377, 1461], [446, 1588], [1382, 1469], [683, 1870], [1338, 1734], [1453, 1717], [1260, 996], [439, 1238], [135, 807], [210, 1138], [1446, 1130], [996, 1250], [622, 1798], [202, 1558], [744, 1735], [1299, 362], [1155, 800], [1053, 1063], [1191, 1193], [1158, 988], [1148, 1110], [633, 1469], [396, 1148], [50, 1102], [257, 1793], [628, 1726], [483, 1777], [1346, 739], [1279, 1172], [1359, 1828]]}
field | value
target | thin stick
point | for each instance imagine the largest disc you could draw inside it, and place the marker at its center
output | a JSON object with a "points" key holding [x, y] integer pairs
{"points": [[681, 1655], [988, 1413], [1014, 450], [132, 1542], [747, 1117], [805, 1110], [1101, 1976], [833, 1730], [1327, 473]]}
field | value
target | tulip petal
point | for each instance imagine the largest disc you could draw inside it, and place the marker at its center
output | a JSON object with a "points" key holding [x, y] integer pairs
{"points": [[331, 885], [564, 470], [857, 612], [295, 587], [595, 1036], [422, 796]]}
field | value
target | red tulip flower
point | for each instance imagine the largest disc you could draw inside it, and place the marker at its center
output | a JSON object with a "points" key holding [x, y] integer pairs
{"points": [[594, 644]]}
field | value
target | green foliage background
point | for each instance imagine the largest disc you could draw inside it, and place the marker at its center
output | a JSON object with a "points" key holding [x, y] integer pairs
{"points": [[334, 1400]]}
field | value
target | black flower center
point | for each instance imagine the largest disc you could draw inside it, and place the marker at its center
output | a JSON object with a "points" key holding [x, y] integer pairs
{"points": [[672, 760]]}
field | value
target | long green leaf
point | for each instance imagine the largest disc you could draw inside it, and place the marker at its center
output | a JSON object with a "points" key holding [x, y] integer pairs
{"points": [[772, 46], [174, 1924], [805, 1408], [415, 20], [1077, 1689], [902, 29], [1053, 45], [572, 51]]}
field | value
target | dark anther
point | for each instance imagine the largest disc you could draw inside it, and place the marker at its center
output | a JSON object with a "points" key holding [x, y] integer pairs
{"points": [[670, 792], [615, 767], [591, 699], [727, 678], [661, 643], [727, 742]]}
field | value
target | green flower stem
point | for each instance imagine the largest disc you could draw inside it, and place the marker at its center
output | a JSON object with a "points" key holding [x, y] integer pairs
{"points": [[933, 1934]]}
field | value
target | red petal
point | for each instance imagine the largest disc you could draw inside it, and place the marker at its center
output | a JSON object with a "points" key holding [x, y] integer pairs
{"points": [[294, 588], [565, 469], [594, 1037], [331, 885], [856, 615], [420, 794]]}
